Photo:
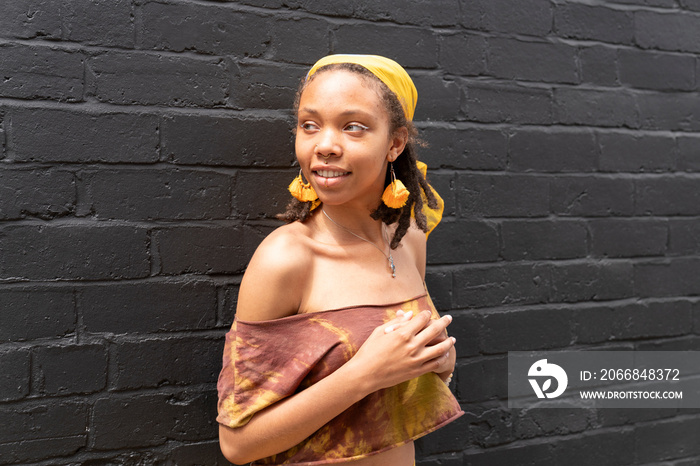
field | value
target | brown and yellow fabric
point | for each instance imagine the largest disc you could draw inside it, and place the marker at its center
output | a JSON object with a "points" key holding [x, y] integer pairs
{"points": [[266, 361]]}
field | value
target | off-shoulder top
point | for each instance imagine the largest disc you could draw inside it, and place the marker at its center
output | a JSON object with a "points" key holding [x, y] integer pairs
{"points": [[266, 361]]}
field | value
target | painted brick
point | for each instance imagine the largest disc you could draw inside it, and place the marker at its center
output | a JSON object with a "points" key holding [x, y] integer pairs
{"points": [[49, 252], [264, 85], [171, 416], [262, 194], [444, 440], [412, 47], [527, 454], [593, 22], [445, 186], [157, 194], [15, 375], [607, 108], [531, 17], [496, 285], [543, 239], [628, 237], [27, 19], [604, 448], [464, 242], [439, 98], [36, 193], [423, 12], [227, 141], [532, 61], [227, 306], [624, 152], [492, 374], [654, 70], [43, 420], [592, 281], [684, 236], [675, 32], [48, 135], [672, 277], [592, 196], [98, 23], [36, 312], [311, 40], [523, 330], [209, 28], [210, 249], [689, 153], [158, 79], [36, 72], [172, 306], [488, 425], [599, 65], [665, 195], [507, 103], [467, 148], [502, 195], [63, 370], [535, 422], [169, 361], [669, 111], [633, 321], [552, 151], [666, 440], [32, 451], [439, 282], [693, 5], [463, 54]]}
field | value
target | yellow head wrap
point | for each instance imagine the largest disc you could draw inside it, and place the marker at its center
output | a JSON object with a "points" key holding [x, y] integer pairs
{"points": [[400, 83], [387, 70]]}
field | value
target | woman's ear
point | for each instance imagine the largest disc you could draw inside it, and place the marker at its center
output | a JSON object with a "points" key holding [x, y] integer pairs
{"points": [[398, 142]]}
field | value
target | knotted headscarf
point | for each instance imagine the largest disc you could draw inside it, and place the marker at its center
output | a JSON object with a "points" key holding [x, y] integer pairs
{"points": [[388, 71]]}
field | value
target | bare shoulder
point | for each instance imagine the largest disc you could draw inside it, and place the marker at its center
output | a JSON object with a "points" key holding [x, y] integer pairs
{"points": [[275, 278], [415, 242]]}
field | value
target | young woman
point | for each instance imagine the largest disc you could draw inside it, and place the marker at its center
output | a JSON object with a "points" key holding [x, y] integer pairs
{"points": [[337, 353]]}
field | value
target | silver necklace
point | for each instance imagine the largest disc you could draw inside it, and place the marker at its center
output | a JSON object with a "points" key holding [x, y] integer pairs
{"points": [[389, 258]]}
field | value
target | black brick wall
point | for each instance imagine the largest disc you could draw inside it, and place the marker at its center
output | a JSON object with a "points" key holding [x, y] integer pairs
{"points": [[146, 145]]}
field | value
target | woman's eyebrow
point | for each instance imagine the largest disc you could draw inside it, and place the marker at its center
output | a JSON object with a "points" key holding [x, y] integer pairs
{"points": [[348, 112]]}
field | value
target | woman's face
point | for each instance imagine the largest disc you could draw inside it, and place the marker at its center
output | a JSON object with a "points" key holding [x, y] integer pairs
{"points": [[343, 139]]}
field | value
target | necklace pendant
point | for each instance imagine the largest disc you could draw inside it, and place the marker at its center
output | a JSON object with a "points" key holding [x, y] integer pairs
{"points": [[393, 267]]}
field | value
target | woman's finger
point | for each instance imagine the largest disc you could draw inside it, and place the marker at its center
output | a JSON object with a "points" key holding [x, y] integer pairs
{"points": [[438, 354], [400, 319], [432, 331]]}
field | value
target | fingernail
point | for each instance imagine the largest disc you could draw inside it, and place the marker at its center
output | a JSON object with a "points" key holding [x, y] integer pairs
{"points": [[449, 317], [389, 329], [454, 340], [399, 313], [408, 315]]}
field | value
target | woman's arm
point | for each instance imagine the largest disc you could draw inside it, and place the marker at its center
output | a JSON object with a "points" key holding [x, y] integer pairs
{"points": [[271, 289], [415, 239], [384, 360]]}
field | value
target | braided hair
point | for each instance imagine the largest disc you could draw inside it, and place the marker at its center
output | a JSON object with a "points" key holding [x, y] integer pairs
{"points": [[404, 166]]}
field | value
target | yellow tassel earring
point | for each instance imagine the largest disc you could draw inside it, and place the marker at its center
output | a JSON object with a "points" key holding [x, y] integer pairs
{"points": [[303, 192], [395, 195]]}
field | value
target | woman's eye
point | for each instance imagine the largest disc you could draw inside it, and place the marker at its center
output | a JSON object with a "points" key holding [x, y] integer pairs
{"points": [[308, 126], [356, 127]]}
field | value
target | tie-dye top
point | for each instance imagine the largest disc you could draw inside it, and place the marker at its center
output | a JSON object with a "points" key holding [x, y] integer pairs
{"points": [[266, 361]]}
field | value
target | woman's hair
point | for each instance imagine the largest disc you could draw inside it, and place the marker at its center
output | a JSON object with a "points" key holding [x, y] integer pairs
{"points": [[404, 166]]}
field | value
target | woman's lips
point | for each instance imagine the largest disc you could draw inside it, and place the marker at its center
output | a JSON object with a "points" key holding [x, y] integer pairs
{"points": [[329, 178]]}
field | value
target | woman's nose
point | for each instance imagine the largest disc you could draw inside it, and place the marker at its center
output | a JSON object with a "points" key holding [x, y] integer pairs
{"points": [[328, 145]]}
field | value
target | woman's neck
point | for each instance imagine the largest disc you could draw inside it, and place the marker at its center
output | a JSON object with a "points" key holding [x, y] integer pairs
{"points": [[358, 221]]}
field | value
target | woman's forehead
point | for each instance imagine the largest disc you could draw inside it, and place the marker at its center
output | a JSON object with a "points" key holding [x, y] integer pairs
{"points": [[340, 87]]}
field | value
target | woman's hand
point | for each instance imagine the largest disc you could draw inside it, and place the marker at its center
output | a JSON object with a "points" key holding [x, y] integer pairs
{"points": [[402, 349]]}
